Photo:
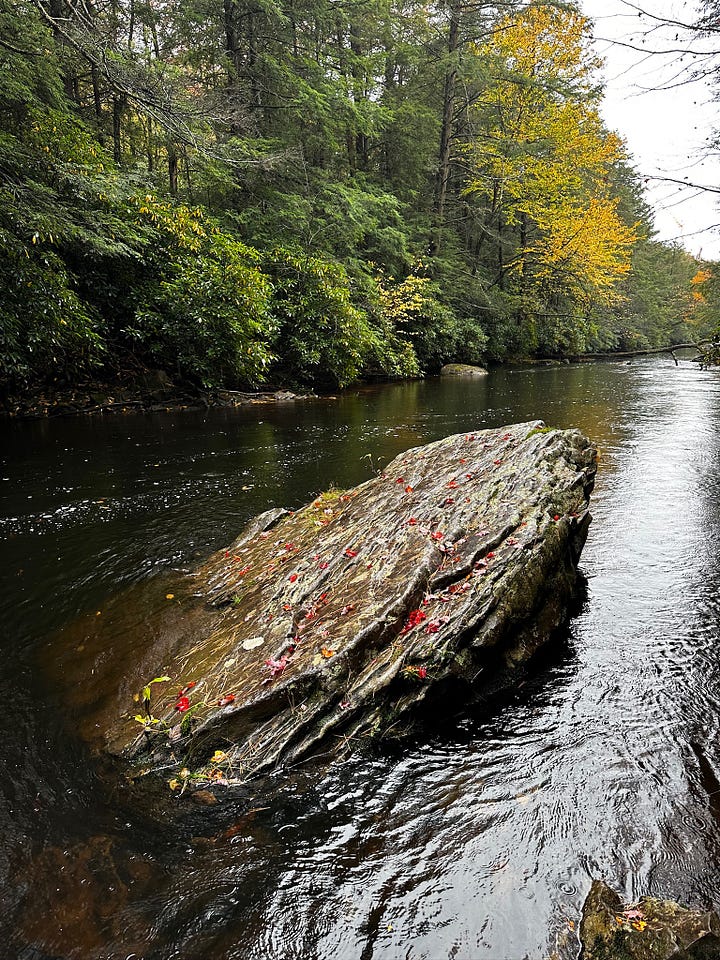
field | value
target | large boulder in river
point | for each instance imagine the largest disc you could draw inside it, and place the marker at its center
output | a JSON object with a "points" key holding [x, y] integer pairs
{"points": [[333, 622], [462, 370], [650, 929]]}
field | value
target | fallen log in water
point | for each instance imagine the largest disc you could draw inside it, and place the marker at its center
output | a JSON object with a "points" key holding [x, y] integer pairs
{"points": [[334, 621]]}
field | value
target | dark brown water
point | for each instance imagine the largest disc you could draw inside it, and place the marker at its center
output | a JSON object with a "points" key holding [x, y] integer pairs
{"points": [[476, 841]]}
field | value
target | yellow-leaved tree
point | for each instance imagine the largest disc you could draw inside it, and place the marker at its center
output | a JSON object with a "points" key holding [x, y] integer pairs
{"points": [[540, 162]]}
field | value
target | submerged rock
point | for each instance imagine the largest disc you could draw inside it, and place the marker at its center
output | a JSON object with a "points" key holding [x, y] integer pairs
{"points": [[332, 622], [647, 930], [462, 370]]}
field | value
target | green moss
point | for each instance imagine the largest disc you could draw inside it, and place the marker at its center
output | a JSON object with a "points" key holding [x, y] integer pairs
{"points": [[612, 949], [537, 430]]}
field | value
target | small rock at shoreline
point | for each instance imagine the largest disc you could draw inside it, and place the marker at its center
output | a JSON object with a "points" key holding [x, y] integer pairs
{"points": [[650, 929]]}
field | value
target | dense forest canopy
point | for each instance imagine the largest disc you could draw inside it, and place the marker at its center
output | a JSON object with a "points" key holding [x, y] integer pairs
{"points": [[311, 191]]}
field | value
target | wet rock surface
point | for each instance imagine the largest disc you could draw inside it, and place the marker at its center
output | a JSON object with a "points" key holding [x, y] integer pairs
{"points": [[335, 622], [650, 929]]}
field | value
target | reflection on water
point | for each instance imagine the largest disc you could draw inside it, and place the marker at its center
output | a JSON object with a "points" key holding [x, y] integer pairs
{"points": [[477, 840]]}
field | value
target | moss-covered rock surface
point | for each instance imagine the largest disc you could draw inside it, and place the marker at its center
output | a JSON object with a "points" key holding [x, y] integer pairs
{"points": [[334, 622], [650, 929]]}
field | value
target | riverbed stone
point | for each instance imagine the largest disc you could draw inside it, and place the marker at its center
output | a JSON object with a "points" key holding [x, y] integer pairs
{"points": [[462, 370], [649, 929], [334, 623]]}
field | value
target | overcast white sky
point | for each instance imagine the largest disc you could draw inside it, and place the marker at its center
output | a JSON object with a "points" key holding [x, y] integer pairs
{"points": [[666, 129]]}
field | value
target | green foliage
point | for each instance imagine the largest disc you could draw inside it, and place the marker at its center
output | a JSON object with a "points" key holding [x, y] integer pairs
{"points": [[208, 312], [321, 337], [47, 332]]}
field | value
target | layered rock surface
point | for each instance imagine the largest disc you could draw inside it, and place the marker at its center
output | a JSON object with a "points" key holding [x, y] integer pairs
{"points": [[332, 622]]}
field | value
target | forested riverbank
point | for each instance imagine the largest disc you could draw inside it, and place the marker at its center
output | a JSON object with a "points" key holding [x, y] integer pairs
{"points": [[311, 193]]}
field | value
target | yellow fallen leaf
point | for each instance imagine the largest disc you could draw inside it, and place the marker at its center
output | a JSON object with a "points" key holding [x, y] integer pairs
{"points": [[327, 653], [173, 784], [169, 596], [218, 757]]}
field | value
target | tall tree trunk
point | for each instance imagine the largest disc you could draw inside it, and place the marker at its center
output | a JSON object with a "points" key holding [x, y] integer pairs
{"points": [[118, 110], [172, 170], [232, 41], [359, 92], [446, 129]]}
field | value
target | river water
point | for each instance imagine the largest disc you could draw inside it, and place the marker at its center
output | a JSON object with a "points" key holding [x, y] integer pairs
{"points": [[476, 840]]}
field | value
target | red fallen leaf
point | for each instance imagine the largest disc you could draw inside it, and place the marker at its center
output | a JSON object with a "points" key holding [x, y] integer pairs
{"points": [[311, 614], [183, 704], [508, 436], [324, 565], [432, 626], [453, 485], [438, 535], [497, 462], [241, 573], [350, 553], [458, 588], [346, 609], [322, 598], [414, 618], [276, 667], [470, 437], [400, 480], [409, 489], [227, 553], [287, 606], [293, 577], [290, 546], [412, 522], [422, 672], [462, 460], [470, 476], [224, 701], [490, 556], [344, 704], [556, 517], [512, 542], [447, 501], [369, 566]]}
